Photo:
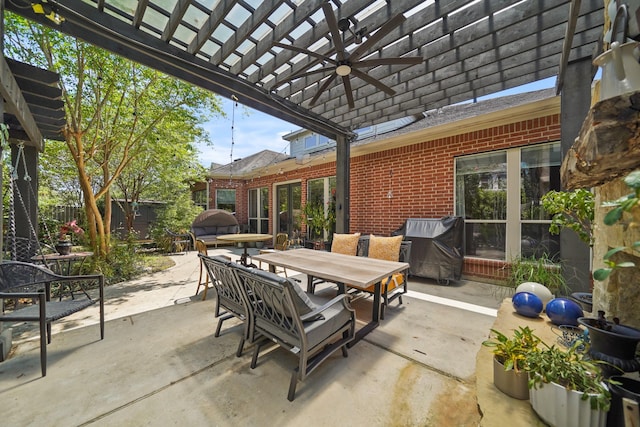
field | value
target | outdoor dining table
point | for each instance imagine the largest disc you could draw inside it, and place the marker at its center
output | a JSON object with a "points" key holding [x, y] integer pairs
{"points": [[245, 239], [341, 269], [63, 262]]}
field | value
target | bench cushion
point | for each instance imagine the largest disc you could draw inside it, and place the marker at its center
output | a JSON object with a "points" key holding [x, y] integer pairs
{"points": [[386, 248], [346, 244]]}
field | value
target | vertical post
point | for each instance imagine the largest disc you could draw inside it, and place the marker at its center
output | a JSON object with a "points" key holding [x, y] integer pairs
{"points": [[2, 121], [343, 161], [574, 106]]}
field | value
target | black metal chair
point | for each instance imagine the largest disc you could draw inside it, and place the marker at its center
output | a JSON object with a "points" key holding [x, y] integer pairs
{"points": [[393, 287], [230, 299], [283, 313], [20, 280]]}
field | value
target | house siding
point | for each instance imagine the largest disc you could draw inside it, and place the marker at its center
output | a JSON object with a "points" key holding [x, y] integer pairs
{"points": [[412, 181]]}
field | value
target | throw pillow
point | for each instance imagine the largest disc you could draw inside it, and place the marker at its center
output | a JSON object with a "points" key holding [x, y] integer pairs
{"points": [[346, 244], [387, 248]]}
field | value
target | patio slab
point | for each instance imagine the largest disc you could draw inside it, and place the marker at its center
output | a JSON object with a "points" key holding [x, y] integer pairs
{"points": [[159, 364]]}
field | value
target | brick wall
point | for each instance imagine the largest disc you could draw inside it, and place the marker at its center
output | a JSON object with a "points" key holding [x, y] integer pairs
{"points": [[414, 181]]}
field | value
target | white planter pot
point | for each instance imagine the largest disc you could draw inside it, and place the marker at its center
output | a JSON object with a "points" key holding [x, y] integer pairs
{"points": [[560, 407]]}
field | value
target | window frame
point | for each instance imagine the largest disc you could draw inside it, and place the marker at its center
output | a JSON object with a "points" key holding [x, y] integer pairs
{"points": [[261, 222], [513, 221]]}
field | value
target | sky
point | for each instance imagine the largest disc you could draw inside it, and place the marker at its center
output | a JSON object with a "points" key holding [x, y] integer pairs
{"points": [[255, 131]]}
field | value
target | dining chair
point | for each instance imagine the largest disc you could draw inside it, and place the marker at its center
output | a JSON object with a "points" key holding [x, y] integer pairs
{"points": [[201, 247], [281, 244], [26, 292], [285, 314], [346, 244], [230, 300], [390, 249]]}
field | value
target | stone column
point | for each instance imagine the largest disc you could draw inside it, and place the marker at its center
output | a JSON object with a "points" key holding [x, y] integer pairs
{"points": [[619, 294]]}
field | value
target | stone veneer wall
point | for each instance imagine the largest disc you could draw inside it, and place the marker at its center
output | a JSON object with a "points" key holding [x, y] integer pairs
{"points": [[619, 295]]}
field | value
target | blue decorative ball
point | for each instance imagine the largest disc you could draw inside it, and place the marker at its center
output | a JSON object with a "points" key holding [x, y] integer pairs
{"points": [[563, 311], [527, 304]]}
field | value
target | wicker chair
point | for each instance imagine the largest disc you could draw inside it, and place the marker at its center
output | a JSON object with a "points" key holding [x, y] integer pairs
{"points": [[20, 280], [203, 280], [230, 299], [283, 313]]}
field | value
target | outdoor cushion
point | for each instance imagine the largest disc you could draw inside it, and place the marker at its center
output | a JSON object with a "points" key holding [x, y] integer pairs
{"points": [[386, 248], [396, 280], [346, 244]]}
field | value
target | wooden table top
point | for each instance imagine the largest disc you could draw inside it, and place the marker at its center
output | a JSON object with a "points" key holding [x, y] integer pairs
{"points": [[57, 257], [361, 271], [245, 237]]}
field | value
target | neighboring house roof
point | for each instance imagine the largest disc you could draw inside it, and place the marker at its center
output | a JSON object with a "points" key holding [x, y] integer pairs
{"points": [[243, 167]]}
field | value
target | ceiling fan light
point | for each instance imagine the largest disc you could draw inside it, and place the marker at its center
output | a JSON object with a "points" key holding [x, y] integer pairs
{"points": [[343, 70]]}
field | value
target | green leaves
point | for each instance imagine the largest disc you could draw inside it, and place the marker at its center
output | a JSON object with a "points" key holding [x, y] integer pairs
{"points": [[512, 352], [570, 209], [569, 369], [616, 216]]}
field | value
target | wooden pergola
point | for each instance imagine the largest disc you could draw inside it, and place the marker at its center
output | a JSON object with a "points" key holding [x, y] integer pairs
{"points": [[235, 48]]}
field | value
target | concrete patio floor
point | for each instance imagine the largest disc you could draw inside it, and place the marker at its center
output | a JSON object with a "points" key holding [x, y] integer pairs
{"points": [[160, 364]]}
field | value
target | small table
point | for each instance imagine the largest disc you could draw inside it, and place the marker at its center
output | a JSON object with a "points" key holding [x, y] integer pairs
{"points": [[341, 269], [245, 238], [63, 260]]}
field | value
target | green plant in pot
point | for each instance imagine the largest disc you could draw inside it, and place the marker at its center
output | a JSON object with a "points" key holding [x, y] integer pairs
{"points": [[313, 215], [566, 388], [509, 360], [541, 269]]}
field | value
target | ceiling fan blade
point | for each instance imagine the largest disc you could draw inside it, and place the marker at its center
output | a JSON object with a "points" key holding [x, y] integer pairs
{"points": [[303, 74], [333, 28], [347, 91], [404, 60], [305, 51], [377, 36], [364, 76], [322, 88]]}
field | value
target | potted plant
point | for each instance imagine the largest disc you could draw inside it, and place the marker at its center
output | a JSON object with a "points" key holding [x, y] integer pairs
{"points": [[574, 210], [541, 269], [509, 360], [64, 244], [313, 215], [566, 389]]}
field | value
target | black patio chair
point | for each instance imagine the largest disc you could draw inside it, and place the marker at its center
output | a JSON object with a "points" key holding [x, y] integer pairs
{"points": [[394, 286], [284, 314], [230, 299], [20, 280]]}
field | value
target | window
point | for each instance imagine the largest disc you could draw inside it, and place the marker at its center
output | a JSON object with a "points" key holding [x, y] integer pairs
{"points": [[200, 198], [539, 174], [226, 199], [481, 198], [499, 193], [310, 141], [259, 210]]}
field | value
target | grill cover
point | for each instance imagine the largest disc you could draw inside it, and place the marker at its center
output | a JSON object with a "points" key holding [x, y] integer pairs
{"points": [[437, 248]]}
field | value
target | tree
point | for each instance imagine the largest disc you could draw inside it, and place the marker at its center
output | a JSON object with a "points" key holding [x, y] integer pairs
{"points": [[117, 113]]}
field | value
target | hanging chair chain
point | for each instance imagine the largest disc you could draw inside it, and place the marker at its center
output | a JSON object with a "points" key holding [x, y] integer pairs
{"points": [[233, 123], [13, 192]]}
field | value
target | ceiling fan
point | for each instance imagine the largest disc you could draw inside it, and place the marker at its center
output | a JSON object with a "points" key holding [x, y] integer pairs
{"points": [[347, 64]]}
